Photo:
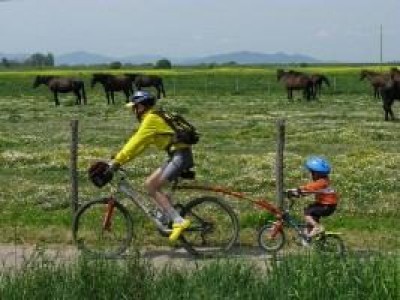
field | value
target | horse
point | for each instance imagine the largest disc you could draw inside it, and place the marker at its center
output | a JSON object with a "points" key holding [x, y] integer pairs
{"points": [[390, 92], [58, 84], [395, 74], [318, 80], [112, 83], [294, 80], [141, 80], [377, 80]]}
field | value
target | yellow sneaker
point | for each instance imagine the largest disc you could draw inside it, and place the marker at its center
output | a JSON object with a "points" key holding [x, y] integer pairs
{"points": [[177, 229]]}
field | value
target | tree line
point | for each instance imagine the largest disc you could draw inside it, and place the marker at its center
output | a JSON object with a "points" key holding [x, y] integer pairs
{"points": [[34, 60]]}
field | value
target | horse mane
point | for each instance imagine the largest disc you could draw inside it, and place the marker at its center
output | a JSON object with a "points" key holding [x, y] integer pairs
{"points": [[132, 75], [293, 72], [102, 75]]}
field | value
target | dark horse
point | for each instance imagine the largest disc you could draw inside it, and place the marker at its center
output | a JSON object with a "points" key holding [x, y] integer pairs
{"points": [[377, 80], [395, 74], [318, 80], [112, 83], [296, 81], [62, 85], [390, 92], [140, 81]]}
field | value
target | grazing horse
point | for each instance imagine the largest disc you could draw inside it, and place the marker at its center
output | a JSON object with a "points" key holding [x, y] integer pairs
{"points": [[377, 80], [58, 84], [112, 83], [390, 92], [296, 81], [318, 80], [140, 81]]}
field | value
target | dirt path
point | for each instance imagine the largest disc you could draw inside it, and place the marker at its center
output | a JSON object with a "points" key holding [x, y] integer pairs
{"points": [[16, 256]]}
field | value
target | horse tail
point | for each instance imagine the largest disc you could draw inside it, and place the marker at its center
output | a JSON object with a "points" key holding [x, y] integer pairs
{"points": [[83, 93]]}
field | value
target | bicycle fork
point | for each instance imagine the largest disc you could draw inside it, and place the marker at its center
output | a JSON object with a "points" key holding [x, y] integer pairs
{"points": [[276, 229], [109, 213]]}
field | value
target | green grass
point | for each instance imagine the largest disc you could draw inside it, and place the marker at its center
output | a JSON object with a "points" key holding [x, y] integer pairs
{"points": [[301, 277], [235, 110]]}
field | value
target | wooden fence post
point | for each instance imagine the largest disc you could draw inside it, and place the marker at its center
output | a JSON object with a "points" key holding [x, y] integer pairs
{"points": [[280, 124], [74, 165]]}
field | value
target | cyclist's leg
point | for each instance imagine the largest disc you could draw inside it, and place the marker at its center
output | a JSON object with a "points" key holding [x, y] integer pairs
{"points": [[312, 217], [320, 210], [153, 185], [178, 162]]}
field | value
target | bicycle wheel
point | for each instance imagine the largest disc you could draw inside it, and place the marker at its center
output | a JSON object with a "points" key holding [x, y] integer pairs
{"points": [[330, 243], [102, 228], [270, 239], [214, 226]]}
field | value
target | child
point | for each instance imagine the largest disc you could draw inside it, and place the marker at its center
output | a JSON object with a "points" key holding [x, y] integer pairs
{"points": [[325, 197]]}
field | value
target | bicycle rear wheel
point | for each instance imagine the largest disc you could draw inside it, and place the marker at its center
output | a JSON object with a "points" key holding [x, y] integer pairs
{"points": [[102, 228], [214, 226], [270, 238], [330, 243]]}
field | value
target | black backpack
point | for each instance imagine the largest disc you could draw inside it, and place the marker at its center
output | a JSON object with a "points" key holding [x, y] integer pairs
{"points": [[185, 132]]}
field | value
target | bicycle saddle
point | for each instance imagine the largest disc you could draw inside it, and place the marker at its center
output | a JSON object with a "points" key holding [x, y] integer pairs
{"points": [[188, 174]]}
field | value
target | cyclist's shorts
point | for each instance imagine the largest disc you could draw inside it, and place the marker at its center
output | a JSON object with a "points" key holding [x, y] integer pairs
{"points": [[316, 210], [179, 161]]}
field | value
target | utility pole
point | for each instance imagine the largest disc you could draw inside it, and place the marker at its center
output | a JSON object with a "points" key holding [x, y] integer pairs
{"points": [[381, 46]]}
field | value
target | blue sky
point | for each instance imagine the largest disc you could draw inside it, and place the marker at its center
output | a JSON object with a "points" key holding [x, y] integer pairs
{"points": [[346, 30]]}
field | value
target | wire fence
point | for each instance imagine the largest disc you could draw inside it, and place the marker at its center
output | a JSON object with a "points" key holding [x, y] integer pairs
{"points": [[40, 167]]}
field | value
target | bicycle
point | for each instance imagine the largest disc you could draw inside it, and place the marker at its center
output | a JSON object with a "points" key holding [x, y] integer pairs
{"points": [[104, 227], [272, 236]]}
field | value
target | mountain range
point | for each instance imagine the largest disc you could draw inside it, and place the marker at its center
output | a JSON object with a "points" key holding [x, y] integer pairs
{"points": [[240, 57]]}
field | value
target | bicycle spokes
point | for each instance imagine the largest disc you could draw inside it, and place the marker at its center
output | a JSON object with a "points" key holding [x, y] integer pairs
{"points": [[103, 227], [213, 226]]}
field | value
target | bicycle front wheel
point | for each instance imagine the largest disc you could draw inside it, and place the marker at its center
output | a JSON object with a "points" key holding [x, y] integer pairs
{"points": [[102, 228], [214, 226], [270, 238], [330, 243]]}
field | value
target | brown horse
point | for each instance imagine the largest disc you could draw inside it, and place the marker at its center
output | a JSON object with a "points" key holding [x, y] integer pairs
{"points": [[318, 80], [294, 80], [141, 81], [395, 74], [390, 92], [112, 83], [58, 84], [376, 79]]}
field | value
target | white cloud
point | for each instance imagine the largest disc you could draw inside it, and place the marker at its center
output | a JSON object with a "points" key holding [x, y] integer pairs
{"points": [[322, 33]]}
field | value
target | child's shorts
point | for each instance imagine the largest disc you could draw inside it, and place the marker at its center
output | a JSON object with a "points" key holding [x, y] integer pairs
{"points": [[316, 210]]}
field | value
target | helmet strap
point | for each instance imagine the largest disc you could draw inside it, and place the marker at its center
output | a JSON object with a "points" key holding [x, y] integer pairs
{"points": [[140, 109]]}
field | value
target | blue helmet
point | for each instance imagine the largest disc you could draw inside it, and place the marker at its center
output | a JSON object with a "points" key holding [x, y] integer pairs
{"points": [[318, 164], [142, 97]]}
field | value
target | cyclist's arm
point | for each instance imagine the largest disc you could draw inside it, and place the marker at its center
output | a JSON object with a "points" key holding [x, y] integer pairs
{"points": [[137, 143], [313, 187]]}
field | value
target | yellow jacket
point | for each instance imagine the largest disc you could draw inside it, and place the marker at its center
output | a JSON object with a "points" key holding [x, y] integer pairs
{"points": [[153, 130]]}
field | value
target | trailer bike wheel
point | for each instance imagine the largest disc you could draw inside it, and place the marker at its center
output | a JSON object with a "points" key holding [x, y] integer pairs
{"points": [[102, 228], [214, 227]]}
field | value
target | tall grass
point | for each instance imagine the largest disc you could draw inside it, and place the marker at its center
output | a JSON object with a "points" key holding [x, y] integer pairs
{"points": [[306, 277]]}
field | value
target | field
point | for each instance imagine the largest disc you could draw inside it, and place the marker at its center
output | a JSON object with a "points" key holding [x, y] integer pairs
{"points": [[235, 110]]}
